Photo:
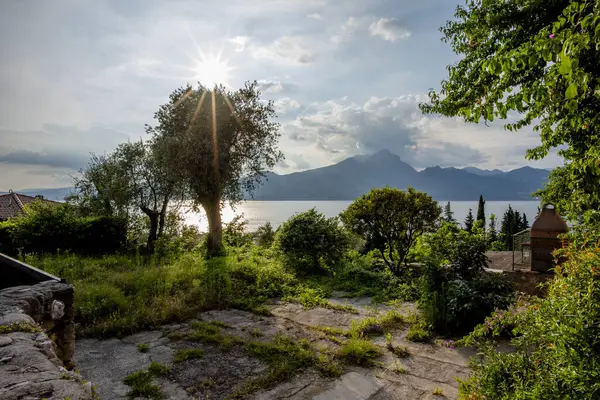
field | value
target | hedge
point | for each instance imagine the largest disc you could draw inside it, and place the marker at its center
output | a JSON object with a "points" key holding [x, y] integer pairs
{"points": [[57, 229]]}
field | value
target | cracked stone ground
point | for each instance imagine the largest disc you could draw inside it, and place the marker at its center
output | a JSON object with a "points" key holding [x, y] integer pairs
{"points": [[223, 370]]}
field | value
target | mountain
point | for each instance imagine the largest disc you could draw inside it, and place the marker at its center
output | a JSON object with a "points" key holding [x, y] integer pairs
{"points": [[355, 176], [482, 172]]}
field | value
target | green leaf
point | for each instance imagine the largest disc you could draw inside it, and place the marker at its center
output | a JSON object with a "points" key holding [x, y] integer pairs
{"points": [[571, 91], [565, 66]]}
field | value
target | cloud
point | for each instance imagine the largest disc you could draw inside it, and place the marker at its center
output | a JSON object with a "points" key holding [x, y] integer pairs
{"points": [[275, 86], [315, 16], [338, 130], [285, 105], [294, 49], [240, 42], [60, 159], [390, 29], [347, 29]]}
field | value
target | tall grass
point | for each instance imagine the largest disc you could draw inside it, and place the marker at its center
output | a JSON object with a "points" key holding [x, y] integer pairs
{"points": [[119, 295]]}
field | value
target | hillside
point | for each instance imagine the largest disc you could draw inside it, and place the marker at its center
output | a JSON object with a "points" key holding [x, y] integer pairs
{"points": [[354, 176]]}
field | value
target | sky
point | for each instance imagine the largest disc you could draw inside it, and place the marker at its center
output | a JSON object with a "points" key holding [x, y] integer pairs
{"points": [[346, 76]]}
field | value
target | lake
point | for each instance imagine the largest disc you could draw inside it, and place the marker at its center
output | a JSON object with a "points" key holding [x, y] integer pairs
{"points": [[257, 213]]}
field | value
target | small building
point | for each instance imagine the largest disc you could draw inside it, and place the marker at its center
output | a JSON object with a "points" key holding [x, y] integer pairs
{"points": [[13, 204], [545, 232]]}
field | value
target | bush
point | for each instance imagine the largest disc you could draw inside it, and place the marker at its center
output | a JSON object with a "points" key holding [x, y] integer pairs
{"points": [[456, 294], [265, 235], [50, 228], [556, 339], [310, 242], [234, 232], [391, 220], [455, 306]]}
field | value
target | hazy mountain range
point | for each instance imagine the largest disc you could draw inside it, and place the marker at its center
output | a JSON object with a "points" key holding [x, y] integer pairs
{"points": [[354, 176], [357, 175]]}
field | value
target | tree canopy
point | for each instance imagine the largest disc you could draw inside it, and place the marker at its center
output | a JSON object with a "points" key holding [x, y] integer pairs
{"points": [[221, 142], [391, 220], [532, 62]]}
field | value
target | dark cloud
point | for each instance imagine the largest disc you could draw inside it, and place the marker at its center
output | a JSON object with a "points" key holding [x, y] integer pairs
{"points": [[60, 159]]}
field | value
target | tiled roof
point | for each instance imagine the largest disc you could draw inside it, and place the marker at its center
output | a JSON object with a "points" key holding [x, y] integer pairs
{"points": [[12, 204]]}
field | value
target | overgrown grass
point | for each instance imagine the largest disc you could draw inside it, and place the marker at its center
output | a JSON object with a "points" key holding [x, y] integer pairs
{"points": [[187, 354], [142, 386], [359, 351], [119, 295], [285, 357], [209, 332]]}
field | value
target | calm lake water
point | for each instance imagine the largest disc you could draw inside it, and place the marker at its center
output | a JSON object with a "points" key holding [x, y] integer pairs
{"points": [[257, 213]]}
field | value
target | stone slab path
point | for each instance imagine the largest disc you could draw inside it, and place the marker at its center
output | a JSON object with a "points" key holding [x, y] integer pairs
{"points": [[220, 372]]}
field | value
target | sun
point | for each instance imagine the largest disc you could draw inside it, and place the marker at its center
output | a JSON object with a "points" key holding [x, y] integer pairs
{"points": [[212, 70]]}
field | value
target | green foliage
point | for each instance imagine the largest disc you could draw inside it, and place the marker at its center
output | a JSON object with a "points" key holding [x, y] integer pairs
{"points": [[310, 242], [538, 59], [492, 233], [158, 369], [556, 339], [20, 327], [469, 221], [481, 210], [50, 228], [265, 235], [286, 357], [455, 294], [118, 295], [142, 386], [391, 220], [143, 347], [448, 214], [359, 351], [512, 222], [235, 232], [221, 142], [419, 332], [187, 354], [461, 251]]}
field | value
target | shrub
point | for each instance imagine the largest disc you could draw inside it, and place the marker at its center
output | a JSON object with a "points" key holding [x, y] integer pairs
{"points": [[49, 228], [234, 232], [455, 306], [556, 340], [309, 241], [265, 235], [391, 220], [455, 294]]}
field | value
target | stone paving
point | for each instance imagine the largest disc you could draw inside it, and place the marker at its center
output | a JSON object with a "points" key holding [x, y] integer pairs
{"points": [[219, 373]]}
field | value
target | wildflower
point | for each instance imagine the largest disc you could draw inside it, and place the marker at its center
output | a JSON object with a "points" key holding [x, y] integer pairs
{"points": [[552, 36]]}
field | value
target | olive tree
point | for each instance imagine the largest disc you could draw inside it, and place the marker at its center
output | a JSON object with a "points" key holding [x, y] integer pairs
{"points": [[127, 181], [222, 142], [532, 62], [391, 220]]}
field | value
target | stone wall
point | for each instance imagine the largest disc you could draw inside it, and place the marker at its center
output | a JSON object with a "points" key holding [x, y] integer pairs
{"points": [[527, 281], [37, 341]]}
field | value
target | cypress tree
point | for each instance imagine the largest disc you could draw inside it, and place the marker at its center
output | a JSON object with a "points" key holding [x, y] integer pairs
{"points": [[469, 221], [481, 210], [507, 227], [492, 233], [525, 223], [448, 214]]}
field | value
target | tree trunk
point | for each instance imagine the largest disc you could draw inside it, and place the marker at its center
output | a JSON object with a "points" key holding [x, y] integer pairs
{"points": [[214, 241], [153, 234], [162, 218]]}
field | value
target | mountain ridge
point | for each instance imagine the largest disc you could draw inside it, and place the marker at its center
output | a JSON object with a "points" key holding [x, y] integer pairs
{"points": [[354, 176]]}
